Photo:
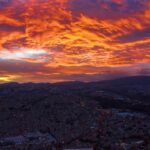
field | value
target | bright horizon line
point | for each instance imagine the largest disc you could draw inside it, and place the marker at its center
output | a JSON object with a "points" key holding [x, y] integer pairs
{"points": [[117, 78]]}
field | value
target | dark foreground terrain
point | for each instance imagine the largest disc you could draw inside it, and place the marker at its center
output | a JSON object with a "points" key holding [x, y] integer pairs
{"points": [[107, 115]]}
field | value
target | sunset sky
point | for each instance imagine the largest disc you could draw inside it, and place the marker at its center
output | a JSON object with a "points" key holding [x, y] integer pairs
{"points": [[68, 40]]}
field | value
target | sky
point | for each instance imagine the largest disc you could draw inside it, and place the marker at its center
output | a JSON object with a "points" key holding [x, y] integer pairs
{"points": [[73, 40]]}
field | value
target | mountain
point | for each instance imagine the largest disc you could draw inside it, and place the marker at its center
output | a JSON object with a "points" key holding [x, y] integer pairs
{"points": [[69, 110]]}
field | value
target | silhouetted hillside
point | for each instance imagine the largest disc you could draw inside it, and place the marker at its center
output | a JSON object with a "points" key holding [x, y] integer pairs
{"points": [[69, 110]]}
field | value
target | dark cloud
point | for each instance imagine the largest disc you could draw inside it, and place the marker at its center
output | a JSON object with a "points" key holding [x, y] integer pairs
{"points": [[107, 9], [5, 3], [136, 35], [14, 43], [14, 66], [8, 28]]}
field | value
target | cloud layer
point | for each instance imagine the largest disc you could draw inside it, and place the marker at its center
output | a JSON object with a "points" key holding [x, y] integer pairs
{"points": [[61, 40]]}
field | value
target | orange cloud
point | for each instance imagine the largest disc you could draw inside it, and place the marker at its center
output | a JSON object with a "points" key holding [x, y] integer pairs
{"points": [[74, 34]]}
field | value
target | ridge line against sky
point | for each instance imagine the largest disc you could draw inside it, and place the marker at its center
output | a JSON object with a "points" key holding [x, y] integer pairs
{"points": [[73, 40]]}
